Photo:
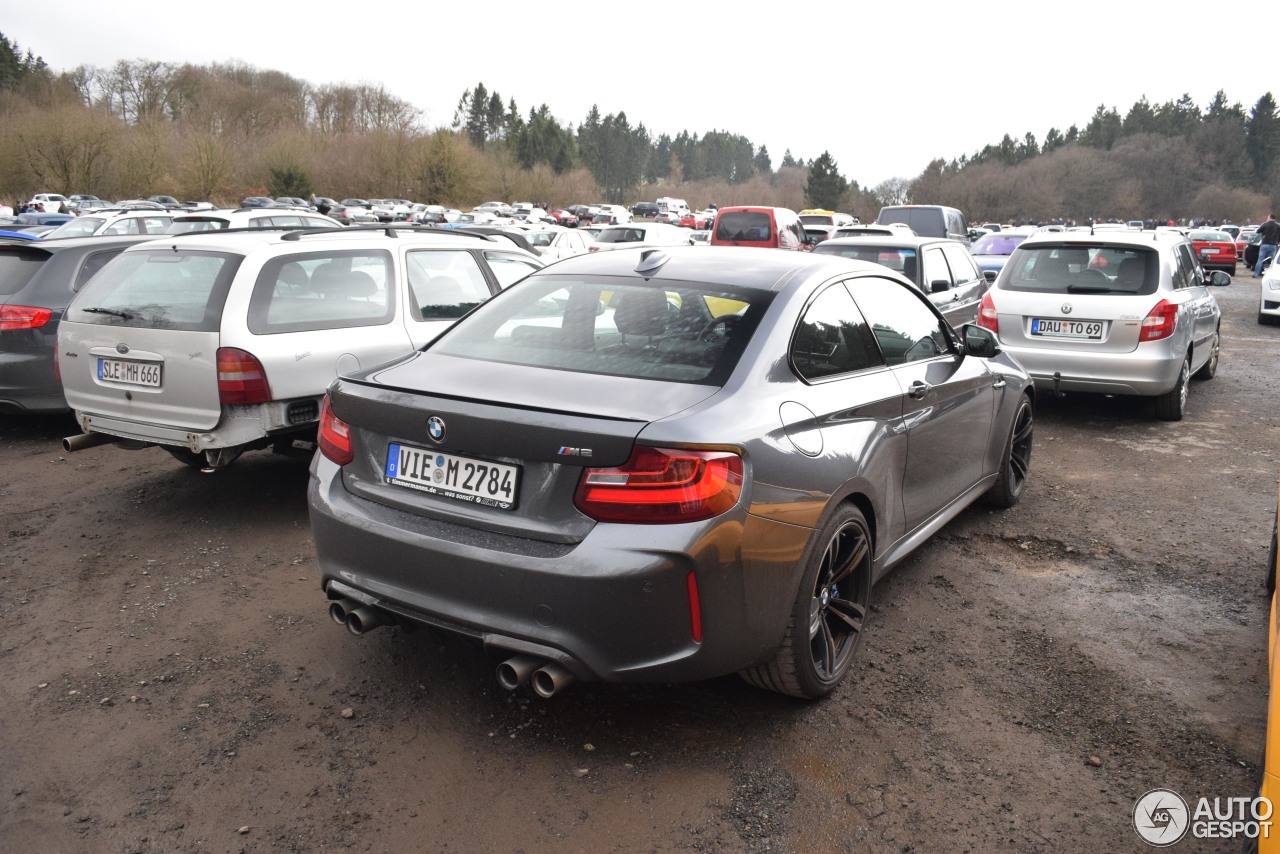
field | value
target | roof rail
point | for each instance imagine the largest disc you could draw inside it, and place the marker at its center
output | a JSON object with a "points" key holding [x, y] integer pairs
{"points": [[389, 229]]}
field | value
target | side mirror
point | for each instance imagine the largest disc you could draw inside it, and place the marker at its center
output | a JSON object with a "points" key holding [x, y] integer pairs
{"points": [[979, 341], [990, 276], [939, 286], [1219, 278]]}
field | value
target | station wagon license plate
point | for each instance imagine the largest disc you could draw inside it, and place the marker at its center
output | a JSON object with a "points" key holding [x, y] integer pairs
{"points": [[1046, 328], [475, 481], [130, 373]]}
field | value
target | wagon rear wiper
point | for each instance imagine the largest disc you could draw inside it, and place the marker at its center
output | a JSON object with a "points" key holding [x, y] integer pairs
{"points": [[123, 315]]}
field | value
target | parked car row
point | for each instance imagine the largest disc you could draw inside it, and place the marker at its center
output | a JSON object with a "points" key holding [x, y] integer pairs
{"points": [[614, 457]]}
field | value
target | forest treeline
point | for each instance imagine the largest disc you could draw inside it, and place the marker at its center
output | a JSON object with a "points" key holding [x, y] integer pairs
{"points": [[224, 131]]}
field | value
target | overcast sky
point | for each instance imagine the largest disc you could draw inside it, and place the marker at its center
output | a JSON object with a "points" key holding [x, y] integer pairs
{"points": [[885, 87]]}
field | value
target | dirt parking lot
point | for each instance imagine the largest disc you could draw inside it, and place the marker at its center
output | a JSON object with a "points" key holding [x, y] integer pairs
{"points": [[172, 681]]}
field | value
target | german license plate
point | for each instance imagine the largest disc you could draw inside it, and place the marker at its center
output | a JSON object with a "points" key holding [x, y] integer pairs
{"points": [[130, 373], [466, 479], [1210, 250], [1066, 328]]}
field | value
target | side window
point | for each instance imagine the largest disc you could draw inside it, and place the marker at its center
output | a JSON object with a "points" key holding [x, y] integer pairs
{"points": [[902, 323], [935, 269], [324, 290], [444, 283], [963, 270], [509, 269], [1182, 276], [124, 226], [1195, 273], [832, 338]]}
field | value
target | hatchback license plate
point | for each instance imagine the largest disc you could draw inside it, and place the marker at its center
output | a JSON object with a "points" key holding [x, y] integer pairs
{"points": [[1046, 328], [130, 373], [461, 478]]}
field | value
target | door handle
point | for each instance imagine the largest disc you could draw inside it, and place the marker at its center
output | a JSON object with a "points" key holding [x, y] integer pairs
{"points": [[918, 390]]}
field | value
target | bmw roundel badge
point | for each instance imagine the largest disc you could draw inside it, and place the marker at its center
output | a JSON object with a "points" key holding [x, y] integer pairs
{"points": [[435, 428]]}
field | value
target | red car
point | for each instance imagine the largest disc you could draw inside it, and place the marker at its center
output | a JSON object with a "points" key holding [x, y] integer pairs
{"points": [[1215, 249], [688, 221], [568, 218]]}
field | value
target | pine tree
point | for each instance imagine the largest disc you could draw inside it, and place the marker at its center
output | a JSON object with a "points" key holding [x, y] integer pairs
{"points": [[825, 185]]}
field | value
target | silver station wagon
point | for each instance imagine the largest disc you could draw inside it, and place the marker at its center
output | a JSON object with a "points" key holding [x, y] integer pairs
{"points": [[664, 465], [1111, 312], [213, 343]]}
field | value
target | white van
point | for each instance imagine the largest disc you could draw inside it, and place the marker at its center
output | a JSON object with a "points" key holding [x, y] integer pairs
{"points": [[675, 206]]}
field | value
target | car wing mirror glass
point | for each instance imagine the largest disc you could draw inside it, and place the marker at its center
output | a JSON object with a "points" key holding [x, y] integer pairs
{"points": [[939, 286], [1219, 278], [979, 341]]}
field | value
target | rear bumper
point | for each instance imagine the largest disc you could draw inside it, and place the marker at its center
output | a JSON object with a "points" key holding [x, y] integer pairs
{"points": [[238, 426], [1144, 372], [615, 606]]}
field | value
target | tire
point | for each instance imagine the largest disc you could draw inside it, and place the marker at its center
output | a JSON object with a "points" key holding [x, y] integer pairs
{"points": [[188, 458], [1266, 319], [828, 615], [1171, 405], [1016, 461], [1210, 368]]}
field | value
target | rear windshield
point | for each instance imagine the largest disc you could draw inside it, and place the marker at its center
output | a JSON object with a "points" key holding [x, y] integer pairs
{"points": [[926, 222], [899, 259], [182, 290], [621, 235], [743, 225], [817, 219], [997, 244], [17, 267], [1076, 269], [677, 332], [198, 223]]}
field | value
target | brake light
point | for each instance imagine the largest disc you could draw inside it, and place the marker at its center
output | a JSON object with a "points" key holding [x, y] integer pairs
{"points": [[593, 248], [335, 435], [23, 317], [241, 377], [662, 486], [987, 317], [1159, 322]]}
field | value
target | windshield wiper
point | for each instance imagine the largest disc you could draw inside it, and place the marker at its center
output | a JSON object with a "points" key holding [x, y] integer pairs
{"points": [[123, 315]]}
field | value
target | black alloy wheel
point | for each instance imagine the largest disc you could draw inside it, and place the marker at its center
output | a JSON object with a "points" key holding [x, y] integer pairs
{"points": [[829, 614], [1016, 462]]}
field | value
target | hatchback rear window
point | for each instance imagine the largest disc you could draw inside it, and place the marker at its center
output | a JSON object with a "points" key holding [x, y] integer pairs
{"points": [[182, 290], [620, 235], [1077, 269], [17, 267], [679, 332], [743, 225]]}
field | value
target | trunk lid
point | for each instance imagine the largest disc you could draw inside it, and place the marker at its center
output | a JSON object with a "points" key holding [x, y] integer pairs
{"points": [[541, 426]]}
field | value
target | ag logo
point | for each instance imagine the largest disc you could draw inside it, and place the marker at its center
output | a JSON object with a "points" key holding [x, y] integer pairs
{"points": [[1161, 817]]}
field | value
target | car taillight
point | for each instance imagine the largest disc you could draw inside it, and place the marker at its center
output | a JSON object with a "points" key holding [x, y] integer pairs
{"points": [[593, 248], [661, 486], [987, 317], [335, 435], [23, 317], [241, 378], [1159, 322]]}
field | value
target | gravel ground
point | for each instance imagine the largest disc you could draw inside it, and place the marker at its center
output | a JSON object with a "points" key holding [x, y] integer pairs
{"points": [[172, 681]]}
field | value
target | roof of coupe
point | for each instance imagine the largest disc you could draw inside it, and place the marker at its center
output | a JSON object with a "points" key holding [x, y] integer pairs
{"points": [[758, 269]]}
